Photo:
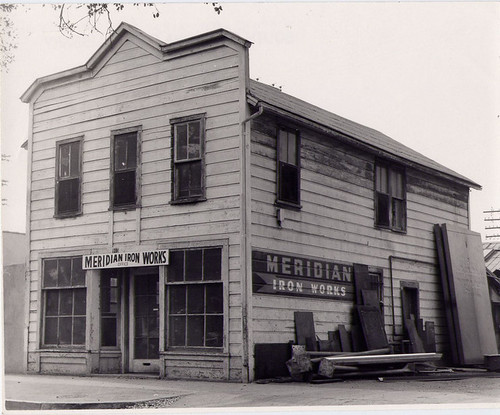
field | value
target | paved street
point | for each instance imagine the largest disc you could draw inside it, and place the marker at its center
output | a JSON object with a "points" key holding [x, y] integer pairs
{"points": [[68, 392]]}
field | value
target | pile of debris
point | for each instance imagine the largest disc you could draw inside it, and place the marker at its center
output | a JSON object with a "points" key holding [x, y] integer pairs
{"points": [[316, 360], [318, 367]]}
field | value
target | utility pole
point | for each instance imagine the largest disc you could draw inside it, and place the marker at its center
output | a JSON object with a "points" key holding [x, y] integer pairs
{"points": [[492, 223]]}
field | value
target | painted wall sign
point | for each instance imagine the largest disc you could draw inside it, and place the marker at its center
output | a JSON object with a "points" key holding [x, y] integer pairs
{"points": [[125, 259], [280, 274]]}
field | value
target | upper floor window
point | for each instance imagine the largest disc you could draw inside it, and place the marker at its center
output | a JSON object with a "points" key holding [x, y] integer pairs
{"points": [[68, 177], [288, 167], [125, 150], [188, 181], [64, 302], [390, 197]]}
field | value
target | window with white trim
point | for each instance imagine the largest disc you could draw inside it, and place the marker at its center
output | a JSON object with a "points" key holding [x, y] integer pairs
{"points": [[188, 172], [390, 197], [68, 177], [64, 296], [125, 153], [194, 295], [288, 168]]}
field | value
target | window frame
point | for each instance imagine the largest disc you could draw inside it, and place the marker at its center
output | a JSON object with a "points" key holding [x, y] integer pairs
{"points": [[59, 179], [174, 123], [279, 200], [137, 202], [42, 312], [397, 169], [224, 246], [116, 273]]}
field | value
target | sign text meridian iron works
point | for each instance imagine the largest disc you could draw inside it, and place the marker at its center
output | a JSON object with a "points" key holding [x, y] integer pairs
{"points": [[281, 274], [126, 259]]}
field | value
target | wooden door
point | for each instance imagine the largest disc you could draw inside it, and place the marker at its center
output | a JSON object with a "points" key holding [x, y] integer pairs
{"points": [[144, 323]]}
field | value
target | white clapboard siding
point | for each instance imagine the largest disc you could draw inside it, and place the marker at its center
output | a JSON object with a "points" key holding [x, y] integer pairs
{"points": [[336, 221], [135, 88]]}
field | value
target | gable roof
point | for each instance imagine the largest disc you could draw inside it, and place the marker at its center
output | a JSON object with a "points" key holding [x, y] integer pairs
{"points": [[274, 98], [162, 49], [491, 252]]}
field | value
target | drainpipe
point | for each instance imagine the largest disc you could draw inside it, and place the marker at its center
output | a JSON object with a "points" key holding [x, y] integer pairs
{"points": [[245, 237], [392, 299]]}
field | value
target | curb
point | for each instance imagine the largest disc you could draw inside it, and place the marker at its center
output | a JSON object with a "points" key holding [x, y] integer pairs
{"points": [[27, 405]]}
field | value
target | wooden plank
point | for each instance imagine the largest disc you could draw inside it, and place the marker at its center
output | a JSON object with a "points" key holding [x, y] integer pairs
{"points": [[370, 297], [304, 329], [362, 281], [334, 339], [430, 337], [446, 294], [373, 326], [469, 294], [416, 344], [345, 339]]}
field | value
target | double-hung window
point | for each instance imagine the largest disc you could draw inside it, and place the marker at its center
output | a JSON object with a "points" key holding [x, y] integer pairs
{"points": [[125, 150], [288, 168], [195, 312], [64, 302], [68, 177], [188, 143], [390, 197]]}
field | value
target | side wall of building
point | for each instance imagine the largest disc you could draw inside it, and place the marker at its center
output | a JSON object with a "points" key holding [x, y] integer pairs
{"points": [[336, 223], [14, 301], [134, 86]]}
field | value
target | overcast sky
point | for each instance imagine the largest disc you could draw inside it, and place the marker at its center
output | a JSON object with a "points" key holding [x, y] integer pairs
{"points": [[426, 74]]}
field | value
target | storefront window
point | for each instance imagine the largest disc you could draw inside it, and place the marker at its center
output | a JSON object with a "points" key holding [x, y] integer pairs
{"points": [[195, 298], [65, 302]]}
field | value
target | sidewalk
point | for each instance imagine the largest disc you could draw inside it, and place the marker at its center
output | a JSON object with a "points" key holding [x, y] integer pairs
{"points": [[96, 392], [49, 392]]}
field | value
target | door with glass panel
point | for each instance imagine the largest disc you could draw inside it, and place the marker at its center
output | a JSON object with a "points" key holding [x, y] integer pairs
{"points": [[144, 323]]}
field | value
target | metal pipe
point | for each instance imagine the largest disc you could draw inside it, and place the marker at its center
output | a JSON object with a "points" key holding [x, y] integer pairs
{"points": [[245, 234]]}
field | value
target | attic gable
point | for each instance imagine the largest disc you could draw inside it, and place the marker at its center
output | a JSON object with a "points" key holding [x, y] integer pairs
{"points": [[128, 33]]}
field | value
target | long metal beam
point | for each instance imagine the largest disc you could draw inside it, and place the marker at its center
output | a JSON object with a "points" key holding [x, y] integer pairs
{"points": [[387, 358]]}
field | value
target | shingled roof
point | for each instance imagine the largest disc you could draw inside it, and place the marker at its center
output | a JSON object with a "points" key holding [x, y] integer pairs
{"points": [[492, 255], [262, 93]]}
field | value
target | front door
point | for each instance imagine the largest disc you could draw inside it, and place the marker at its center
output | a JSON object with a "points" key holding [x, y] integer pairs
{"points": [[144, 323]]}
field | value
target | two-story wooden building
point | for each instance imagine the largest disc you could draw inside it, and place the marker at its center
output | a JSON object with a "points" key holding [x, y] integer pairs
{"points": [[180, 212]]}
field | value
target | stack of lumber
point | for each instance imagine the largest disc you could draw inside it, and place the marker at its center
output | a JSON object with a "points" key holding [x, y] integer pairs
{"points": [[325, 365], [335, 359], [466, 296]]}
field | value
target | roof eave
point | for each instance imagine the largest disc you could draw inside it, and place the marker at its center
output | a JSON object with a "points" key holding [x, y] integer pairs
{"points": [[205, 38], [254, 101], [59, 76]]}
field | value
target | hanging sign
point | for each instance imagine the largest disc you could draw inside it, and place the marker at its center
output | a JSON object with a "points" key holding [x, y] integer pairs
{"points": [[289, 275], [126, 259]]}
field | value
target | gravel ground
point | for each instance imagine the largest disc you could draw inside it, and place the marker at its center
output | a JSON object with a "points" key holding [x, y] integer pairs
{"points": [[156, 403]]}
